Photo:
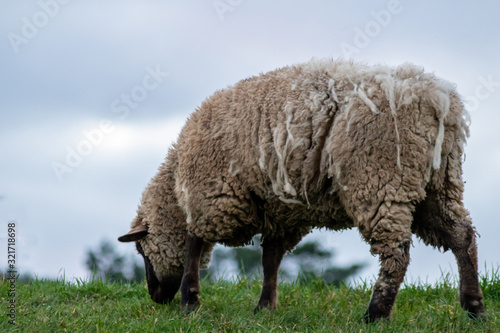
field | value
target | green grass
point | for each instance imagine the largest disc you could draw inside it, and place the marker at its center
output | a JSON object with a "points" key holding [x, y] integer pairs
{"points": [[94, 306]]}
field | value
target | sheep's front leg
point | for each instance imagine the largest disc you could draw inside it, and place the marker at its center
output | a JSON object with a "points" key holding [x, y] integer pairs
{"points": [[273, 251], [190, 287]]}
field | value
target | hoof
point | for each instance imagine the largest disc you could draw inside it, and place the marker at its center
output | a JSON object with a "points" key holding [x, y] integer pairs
{"points": [[371, 315], [368, 319], [258, 308], [264, 305], [189, 300], [477, 313], [189, 308], [474, 307], [481, 316]]}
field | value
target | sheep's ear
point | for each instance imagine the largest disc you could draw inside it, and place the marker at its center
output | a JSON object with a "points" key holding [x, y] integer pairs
{"points": [[135, 234]]}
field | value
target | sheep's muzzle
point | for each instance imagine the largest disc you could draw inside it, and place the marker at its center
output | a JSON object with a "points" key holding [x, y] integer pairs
{"points": [[161, 290], [164, 291]]}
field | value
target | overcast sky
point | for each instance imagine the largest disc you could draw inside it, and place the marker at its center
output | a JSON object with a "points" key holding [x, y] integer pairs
{"points": [[134, 70]]}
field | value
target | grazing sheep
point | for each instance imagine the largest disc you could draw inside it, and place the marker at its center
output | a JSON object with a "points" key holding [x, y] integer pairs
{"points": [[330, 144]]}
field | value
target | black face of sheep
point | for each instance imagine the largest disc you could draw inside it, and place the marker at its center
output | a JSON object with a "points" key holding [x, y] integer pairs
{"points": [[161, 291]]}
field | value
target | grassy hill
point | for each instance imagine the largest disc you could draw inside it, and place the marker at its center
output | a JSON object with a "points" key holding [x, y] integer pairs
{"points": [[94, 306]]}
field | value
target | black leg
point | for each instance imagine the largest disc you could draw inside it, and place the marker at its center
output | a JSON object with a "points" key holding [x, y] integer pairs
{"points": [[442, 227], [273, 251], [392, 271], [190, 287], [390, 238]]}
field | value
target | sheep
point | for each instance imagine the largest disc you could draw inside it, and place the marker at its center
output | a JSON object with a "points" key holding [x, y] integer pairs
{"points": [[325, 144]]}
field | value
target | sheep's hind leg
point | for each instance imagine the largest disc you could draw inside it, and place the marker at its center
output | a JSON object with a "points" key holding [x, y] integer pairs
{"points": [[390, 238], [190, 287], [440, 226], [273, 251], [465, 251]]}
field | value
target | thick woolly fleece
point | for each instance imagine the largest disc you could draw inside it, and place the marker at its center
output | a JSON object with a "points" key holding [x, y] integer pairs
{"points": [[332, 144], [165, 244]]}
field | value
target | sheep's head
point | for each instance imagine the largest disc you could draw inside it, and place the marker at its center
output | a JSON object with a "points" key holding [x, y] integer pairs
{"points": [[163, 272]]}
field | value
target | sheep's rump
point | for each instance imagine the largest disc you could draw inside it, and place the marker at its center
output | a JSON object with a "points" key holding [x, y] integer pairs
{"points": [[319, 144]]}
